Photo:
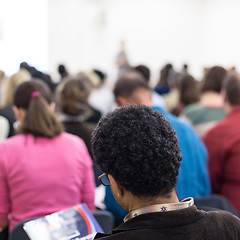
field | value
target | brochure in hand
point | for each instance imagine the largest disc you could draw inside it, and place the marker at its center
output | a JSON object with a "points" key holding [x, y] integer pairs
{"points": [[75, 223]]}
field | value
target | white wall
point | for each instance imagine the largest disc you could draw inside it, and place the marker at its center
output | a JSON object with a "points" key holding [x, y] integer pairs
{"points": [[23, 34], [85, 33]]}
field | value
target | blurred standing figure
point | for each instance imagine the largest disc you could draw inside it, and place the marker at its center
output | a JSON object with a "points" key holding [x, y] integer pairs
{"points": [[223, 144], [209, 110], [122, 61], [42, 169]]}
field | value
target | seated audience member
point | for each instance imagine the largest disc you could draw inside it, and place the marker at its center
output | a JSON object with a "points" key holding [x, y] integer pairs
{"points": [[157, 99], [2, 78], [223, 144], [4, 128], [62, 72], [72, 99], [42, 169], [138, 151], [9, 88], [93, 80], [193, 179], [209, 110], [188, 93], [167, 87], [166, 75], [101, 97], [36, 74], [63, 75]]}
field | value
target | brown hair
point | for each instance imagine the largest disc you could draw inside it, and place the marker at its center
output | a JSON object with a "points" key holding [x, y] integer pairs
{"points": [[213, 79], [72, 95], [128, 83], [231, 85], [188, 90], [34, 97], [144, 70], [11, 84]]}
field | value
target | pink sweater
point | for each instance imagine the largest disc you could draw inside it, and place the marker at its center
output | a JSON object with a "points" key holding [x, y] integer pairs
{"points": [[41, 176]]}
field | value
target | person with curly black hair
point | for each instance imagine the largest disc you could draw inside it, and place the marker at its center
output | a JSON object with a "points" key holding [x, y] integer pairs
{"points": [[153, 139], [138, 150], [193, 179]]}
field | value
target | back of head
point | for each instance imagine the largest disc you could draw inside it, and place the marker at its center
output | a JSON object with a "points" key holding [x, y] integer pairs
{"points": [[188, 89], [61, 69], [166, 75], [213, 79], [128, 83], [34, 97], [11, 85], [92, 77], [231, 86], [72, 95], [144, 70], [144, 157], [102, 76]]}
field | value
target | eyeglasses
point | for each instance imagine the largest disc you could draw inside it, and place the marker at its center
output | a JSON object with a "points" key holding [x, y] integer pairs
{"points": [[103, 178]]}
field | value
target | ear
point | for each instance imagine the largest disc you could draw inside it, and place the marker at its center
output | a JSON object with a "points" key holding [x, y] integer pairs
{"points": [[19, 113], [121, 101], [116, 187]]}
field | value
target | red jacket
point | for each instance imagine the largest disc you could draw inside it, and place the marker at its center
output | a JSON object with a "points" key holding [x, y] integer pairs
{"points": [[223, 145]]}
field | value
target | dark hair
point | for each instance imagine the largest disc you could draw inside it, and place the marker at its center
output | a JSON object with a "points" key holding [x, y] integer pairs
{"points": [[188, 89], [128, 84], [62, 71], [213, 79], [102, 76], [73, 94], [38, 120], [144, 70], [165, 75], [231, 85], [139, 148]]}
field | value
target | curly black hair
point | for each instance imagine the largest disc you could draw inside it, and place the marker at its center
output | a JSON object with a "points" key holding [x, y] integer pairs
{"points": [[139, 148]]}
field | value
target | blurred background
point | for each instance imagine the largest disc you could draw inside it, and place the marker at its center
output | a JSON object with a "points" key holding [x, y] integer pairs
{"points": [[83, 34]]}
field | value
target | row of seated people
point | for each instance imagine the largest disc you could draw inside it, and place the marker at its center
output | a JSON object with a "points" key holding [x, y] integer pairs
{"points": [[148, 156], [75, 113]]}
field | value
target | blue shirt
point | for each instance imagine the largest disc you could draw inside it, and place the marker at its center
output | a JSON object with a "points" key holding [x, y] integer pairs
{"points": [[193, 178]]}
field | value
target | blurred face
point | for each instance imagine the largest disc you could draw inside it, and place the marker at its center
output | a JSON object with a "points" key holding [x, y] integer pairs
{"points": [[141, 96]]}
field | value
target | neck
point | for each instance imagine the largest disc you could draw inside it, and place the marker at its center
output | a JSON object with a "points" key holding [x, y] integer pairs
{"points": [[227, 108], [140, 202], [210, 98]]}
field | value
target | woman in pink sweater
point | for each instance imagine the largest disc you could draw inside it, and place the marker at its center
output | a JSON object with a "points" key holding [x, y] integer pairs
{"points": [[42, 169]]}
